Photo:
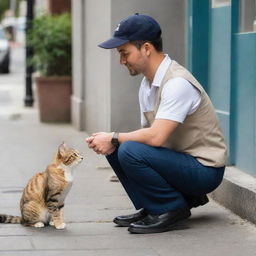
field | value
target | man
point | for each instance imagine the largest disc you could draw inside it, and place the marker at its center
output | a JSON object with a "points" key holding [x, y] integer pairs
{"points": [[179, 155]]}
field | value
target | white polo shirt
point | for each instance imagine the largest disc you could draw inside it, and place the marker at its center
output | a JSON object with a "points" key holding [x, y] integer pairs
{"points": [[178, 98]]}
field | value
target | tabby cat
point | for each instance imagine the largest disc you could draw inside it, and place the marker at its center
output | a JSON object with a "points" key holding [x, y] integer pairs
{"points": [[43, 198]]}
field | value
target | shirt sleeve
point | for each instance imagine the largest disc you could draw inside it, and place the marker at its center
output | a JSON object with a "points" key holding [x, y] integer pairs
{"points": [[178, 99]]}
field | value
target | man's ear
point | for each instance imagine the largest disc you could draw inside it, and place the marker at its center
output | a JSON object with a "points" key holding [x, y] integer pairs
{"points": [[148, 48]]}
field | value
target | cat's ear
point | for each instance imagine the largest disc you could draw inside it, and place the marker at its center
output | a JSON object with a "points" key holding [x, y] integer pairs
{"points": [[62, 149]]}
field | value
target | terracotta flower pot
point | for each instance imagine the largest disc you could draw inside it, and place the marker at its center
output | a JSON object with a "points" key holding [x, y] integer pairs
{"points": [[54, 98]]}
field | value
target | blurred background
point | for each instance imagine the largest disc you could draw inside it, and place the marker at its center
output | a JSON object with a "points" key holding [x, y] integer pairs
{"points": [[12, 54], [16, 82]]}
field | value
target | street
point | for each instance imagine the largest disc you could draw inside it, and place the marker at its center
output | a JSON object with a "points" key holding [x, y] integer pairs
{"points": [[12, 88]]}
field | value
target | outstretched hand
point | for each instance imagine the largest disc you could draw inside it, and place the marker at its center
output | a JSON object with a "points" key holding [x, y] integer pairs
{"points": [[101, 143]]}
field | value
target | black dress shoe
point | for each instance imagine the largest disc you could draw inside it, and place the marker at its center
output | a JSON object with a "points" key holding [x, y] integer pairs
{"points": [[126, 220], [159, 223], [195, 201]]}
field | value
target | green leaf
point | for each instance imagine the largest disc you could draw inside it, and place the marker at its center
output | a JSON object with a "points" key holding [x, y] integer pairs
{"points": [[51, 40]]}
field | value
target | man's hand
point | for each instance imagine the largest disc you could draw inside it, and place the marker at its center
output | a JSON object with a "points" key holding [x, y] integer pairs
{"points": [[101, 143], [154, 136]]}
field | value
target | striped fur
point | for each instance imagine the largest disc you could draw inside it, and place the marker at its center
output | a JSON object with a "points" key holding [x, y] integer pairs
{"points": [[10, 219], [42, 201]]}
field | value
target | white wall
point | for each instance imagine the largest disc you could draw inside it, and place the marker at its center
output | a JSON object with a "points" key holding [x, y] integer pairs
{"points": [[78, 64], [97, 66], [91, 65]]}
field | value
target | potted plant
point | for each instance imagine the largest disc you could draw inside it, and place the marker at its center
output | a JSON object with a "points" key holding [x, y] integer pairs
{"points": [[50, 39]]}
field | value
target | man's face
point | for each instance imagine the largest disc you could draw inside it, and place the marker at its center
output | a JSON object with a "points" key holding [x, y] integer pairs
{"points": [[133, 58]]}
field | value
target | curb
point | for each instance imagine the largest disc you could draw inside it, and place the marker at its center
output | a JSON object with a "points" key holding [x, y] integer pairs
{"points": [[237, 193]]}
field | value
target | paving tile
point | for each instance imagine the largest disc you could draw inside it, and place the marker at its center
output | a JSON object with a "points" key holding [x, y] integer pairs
{"points": [[104, 252], [15, 243]]}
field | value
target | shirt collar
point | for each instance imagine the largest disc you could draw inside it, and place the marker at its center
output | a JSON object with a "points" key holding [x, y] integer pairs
{"points": [[161, 70]]}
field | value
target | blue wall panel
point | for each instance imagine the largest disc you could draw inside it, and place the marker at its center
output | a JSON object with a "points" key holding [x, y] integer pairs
{"points": [[198, 40], [219, 65], [245, 85], [231, 78]]}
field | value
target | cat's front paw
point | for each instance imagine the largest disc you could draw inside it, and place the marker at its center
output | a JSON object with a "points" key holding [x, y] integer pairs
{"points": [[61, 226], [51, 223], [39, 225]]}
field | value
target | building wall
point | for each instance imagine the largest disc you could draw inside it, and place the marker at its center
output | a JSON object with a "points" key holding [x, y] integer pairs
{"points": [[245, 99], [97, 66], [105, 97], [219, 65], [78, 64], [91, 65]]}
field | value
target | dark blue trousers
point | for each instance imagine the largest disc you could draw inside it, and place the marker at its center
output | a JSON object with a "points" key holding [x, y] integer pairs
{"points": [[159, 179]]}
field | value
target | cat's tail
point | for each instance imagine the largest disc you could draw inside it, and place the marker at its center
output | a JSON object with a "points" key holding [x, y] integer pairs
{"points": [[9, 219]]}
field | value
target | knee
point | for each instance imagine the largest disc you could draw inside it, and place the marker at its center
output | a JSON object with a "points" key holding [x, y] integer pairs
{"points": [[126, 149], [130, 151]]}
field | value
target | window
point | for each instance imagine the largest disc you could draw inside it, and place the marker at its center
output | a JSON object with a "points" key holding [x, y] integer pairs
{"points": [[247, 10], [220, 3]]}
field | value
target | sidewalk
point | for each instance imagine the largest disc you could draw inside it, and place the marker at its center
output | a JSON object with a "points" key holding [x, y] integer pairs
{"points": [[27, 146]]}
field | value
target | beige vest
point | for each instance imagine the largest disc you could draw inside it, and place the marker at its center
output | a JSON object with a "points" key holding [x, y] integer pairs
{"points": [[200, 134]]}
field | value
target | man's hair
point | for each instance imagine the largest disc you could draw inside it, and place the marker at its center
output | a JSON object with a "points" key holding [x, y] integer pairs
{"points": [[158, 43]]}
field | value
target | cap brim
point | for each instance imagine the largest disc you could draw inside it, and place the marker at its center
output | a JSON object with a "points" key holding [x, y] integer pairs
{"points": [[113, 43]]}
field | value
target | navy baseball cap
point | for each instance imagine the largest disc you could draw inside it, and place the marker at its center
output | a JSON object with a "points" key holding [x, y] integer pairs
{"points": [[134, 27]]}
